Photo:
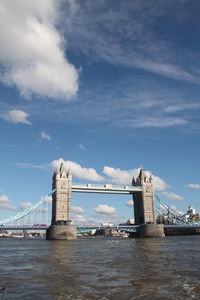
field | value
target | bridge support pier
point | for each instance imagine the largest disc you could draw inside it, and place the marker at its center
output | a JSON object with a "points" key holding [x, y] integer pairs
{"points": [[151, 230], [61, 232]]}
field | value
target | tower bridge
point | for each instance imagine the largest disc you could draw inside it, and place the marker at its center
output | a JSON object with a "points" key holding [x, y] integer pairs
{"points": [[142, 191]]}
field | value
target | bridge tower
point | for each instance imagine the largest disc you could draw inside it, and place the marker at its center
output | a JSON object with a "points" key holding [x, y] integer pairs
{"points": [[61, 227], [61, 204], [144, 209]]}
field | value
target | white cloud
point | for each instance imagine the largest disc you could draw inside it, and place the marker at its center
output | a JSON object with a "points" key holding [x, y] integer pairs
{"points": [[32, 55], [79, 219], [45, 136], [16, 116], [172, 196], [129, 203], [82, 147], [143, 122], [159, 184], [25, 205], [77, 170], [119, 176], [105, 210], [194, 186], [77, 209], [181, 106], [168, 70], [6, 204]]}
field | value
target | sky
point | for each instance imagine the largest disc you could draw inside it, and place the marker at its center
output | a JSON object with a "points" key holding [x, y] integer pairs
{"points": [[107, 86]]}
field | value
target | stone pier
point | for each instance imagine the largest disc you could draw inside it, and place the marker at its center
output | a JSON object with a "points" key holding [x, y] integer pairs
{"points": [[144, 209], [61, 228]]}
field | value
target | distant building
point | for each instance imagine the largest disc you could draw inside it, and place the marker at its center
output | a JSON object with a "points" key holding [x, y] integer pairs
{"points": [[190, 216], [128, 222], [107, 224], [191, 211], [163, 219], [197, 217]]}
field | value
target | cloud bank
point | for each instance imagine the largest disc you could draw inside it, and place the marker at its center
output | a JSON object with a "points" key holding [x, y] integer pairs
{"points": [[125, 33], [119, 176], [114, 175], [77, 170]]}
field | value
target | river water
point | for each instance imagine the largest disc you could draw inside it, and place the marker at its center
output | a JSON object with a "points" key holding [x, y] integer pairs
{"points": [[101, 268]]}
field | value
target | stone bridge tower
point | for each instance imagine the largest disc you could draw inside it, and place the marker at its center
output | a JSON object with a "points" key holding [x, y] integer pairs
{"points": [[61, 227], [61, 204], [144, 209]]}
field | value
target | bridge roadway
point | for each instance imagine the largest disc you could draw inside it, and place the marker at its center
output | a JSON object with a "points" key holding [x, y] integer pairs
{"points": [[105, 189], [170, 229], [80, 229]]}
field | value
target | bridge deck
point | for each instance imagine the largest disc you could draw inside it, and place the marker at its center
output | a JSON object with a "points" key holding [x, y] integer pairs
{"points": [[105, 189], [79, 227]]}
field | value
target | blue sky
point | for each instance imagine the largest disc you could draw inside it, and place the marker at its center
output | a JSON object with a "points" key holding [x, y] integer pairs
{"points": [[107, 86]]}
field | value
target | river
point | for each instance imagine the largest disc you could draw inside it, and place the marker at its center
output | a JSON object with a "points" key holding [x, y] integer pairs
{"points": [[101, 268]]}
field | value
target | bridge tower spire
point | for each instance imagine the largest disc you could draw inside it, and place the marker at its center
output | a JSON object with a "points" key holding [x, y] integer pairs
{"points": [[61, 227]]}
